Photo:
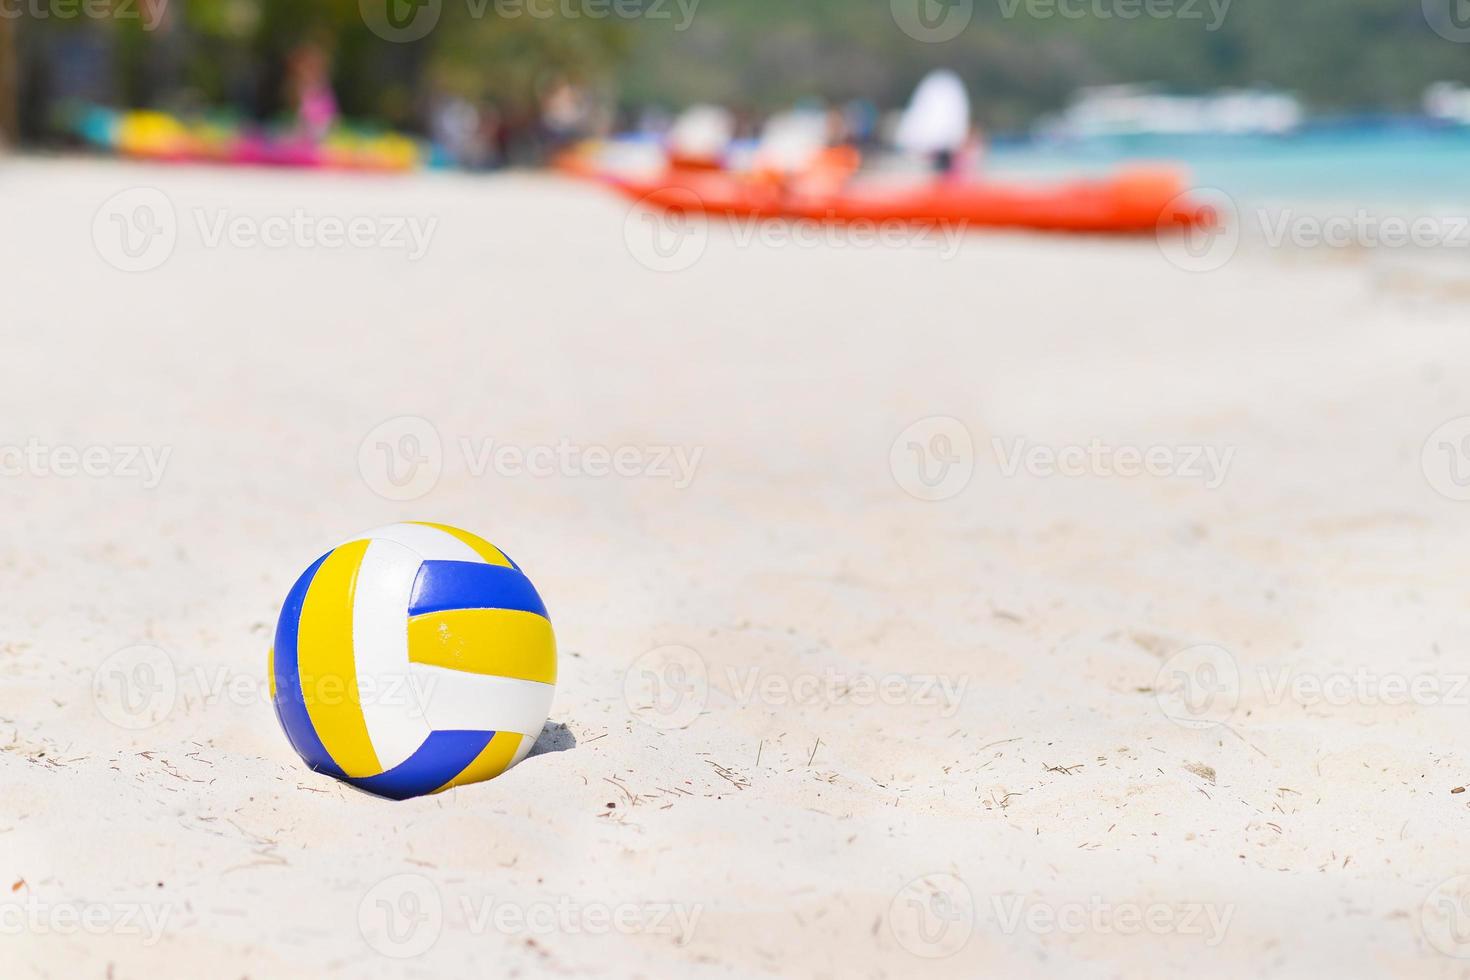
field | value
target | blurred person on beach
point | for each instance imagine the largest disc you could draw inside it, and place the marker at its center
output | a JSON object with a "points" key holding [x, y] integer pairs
{"points": [[835, 163], [937, 126], [809, 150], [466, 134], [309, 77], [566, 116], [492, 135], [700, 138]]}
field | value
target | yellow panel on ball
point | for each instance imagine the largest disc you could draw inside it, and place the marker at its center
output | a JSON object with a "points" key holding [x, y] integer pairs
{"points": [[412, 659]]}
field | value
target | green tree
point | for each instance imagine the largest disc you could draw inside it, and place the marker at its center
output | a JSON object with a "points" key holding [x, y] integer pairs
{"points": [[1022, 58]]}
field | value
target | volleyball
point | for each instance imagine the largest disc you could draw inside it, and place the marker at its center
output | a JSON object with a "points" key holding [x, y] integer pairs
{"points": [[413, 659]]}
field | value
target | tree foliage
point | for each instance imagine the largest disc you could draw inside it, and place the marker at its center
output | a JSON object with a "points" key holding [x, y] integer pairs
{"points": [[1020, 57], [1023, 57]]}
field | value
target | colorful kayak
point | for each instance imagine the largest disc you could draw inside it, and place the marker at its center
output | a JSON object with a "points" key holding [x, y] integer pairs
{"points": [[1134, 201], [146, 135]]}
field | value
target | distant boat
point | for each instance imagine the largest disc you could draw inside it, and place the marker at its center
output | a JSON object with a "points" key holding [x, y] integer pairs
{"points": [[1448, 102], [1141, 110]]}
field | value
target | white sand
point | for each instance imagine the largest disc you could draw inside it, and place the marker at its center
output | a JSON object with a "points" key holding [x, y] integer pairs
{"points": [[766, 838]]}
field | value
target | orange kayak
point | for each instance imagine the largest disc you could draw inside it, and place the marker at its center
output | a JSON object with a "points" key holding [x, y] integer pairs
{"points": [[1133, 201]]}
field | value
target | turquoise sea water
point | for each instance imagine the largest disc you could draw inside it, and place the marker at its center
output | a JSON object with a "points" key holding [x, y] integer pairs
{"points": [[1368, 165]]}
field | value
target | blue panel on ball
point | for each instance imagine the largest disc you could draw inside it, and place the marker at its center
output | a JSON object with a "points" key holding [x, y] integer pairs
{"points": [[290, 703], [443, 756], [445, 585]]}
